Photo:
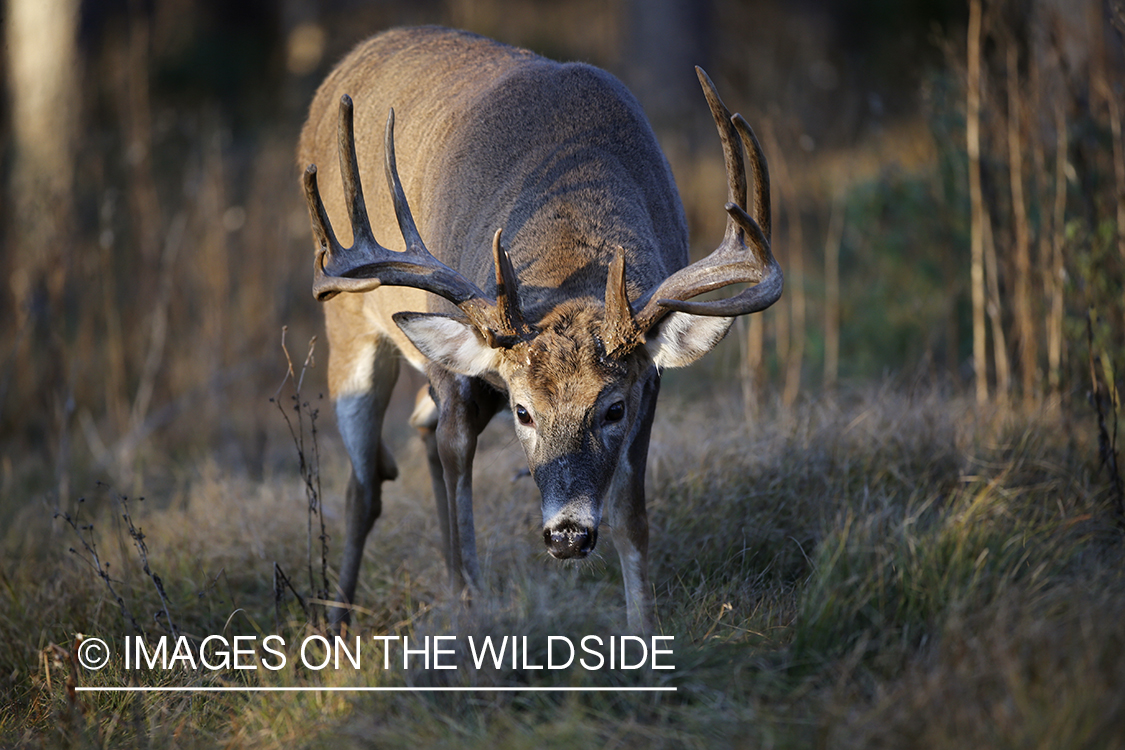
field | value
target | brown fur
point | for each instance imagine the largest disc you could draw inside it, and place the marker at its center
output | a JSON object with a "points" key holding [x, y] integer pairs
{"points": [[561, 159]]}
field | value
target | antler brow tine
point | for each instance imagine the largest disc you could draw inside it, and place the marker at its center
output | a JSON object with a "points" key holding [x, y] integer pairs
{"points": [[507, 290]]}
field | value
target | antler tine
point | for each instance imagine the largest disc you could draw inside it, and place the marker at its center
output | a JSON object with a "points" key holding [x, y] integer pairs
{"points": [[507, 291], [732, 148], [349, 173], [744, 256], [330, 253], [326, 241], [620, 331], [335, 265], [761, 175], [414, 244], [367, 265], [416, 266]]}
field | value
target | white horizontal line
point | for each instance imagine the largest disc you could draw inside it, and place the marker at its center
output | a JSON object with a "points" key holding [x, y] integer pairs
{"points": [[235, 689]]}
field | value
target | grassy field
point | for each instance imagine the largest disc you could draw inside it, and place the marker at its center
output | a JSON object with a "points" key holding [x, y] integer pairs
{"points": [[891, 568], [882, 564]]}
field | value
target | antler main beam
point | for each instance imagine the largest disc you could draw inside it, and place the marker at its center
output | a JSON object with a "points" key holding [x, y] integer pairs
{"points": [[744, 255], [367, 265]]}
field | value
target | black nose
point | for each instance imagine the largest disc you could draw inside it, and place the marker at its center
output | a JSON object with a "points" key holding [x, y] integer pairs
{"points": [[569, 540]]}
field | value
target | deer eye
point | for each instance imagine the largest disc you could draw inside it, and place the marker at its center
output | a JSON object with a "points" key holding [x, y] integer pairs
{"points": [[523, 415], [615, 412]]}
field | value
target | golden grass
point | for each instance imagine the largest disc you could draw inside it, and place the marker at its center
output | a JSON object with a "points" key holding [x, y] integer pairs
{"points": [[884, 570]]}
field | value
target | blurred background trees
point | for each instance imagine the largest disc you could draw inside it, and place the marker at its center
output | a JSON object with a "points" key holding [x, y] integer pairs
{"points": [[949, 198]]}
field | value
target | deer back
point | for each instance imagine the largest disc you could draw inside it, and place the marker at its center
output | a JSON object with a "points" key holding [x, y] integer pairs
{"points": [[558, 155]]}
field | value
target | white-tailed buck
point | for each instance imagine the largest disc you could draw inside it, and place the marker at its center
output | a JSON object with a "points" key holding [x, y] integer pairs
{"points": [[536, 257]]}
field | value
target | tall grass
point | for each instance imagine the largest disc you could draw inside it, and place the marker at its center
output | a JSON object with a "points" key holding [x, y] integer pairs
{"points": [[891, 569]]}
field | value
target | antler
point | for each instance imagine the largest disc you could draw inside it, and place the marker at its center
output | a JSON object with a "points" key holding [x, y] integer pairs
{"points": [[620, 332], [367, 265], [744, 255]]}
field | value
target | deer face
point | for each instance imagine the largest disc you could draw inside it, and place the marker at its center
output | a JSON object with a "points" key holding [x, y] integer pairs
{"points": [[574, 407], [577, 408]]}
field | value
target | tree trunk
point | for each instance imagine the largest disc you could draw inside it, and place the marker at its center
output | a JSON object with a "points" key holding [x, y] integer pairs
{"points": [[794, 345], [43, 81], [972, 137], [832, 292], [995, 314], [1055, 322], [40, 40], [753, 372], [1025, 323]]}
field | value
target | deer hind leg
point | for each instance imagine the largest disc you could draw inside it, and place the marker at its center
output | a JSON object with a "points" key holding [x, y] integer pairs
{"points": [[364, 375]]}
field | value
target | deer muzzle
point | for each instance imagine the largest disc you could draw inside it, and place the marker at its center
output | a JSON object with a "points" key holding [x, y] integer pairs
{"points": [[571, 505], [569, 540]]}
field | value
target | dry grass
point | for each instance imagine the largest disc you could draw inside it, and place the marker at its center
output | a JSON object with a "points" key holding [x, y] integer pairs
{"points": [[887, 570]]}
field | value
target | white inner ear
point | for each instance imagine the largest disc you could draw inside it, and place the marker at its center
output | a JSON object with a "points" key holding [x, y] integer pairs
{"points": [[451, 343], [681, 339]]}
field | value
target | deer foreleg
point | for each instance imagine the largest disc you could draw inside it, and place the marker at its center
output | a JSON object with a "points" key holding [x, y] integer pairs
{"points": [[465, 406], [629, 517], [631, 540], [425, 419]]}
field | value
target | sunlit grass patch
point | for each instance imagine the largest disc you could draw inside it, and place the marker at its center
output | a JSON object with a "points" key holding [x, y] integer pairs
{"points": [[1032, 670], [834, 572]]}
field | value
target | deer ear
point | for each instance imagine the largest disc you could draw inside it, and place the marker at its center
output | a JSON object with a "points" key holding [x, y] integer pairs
{"points": [[680, 339], [450, 342]]}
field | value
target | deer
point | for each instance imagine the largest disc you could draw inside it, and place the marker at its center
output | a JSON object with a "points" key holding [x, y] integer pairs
{"points": [[535, 260]]}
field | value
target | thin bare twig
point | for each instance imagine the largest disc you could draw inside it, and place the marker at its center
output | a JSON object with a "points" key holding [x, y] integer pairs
{"points": [[308, 461], [280, 583], [94, 561], [138, 538]]}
